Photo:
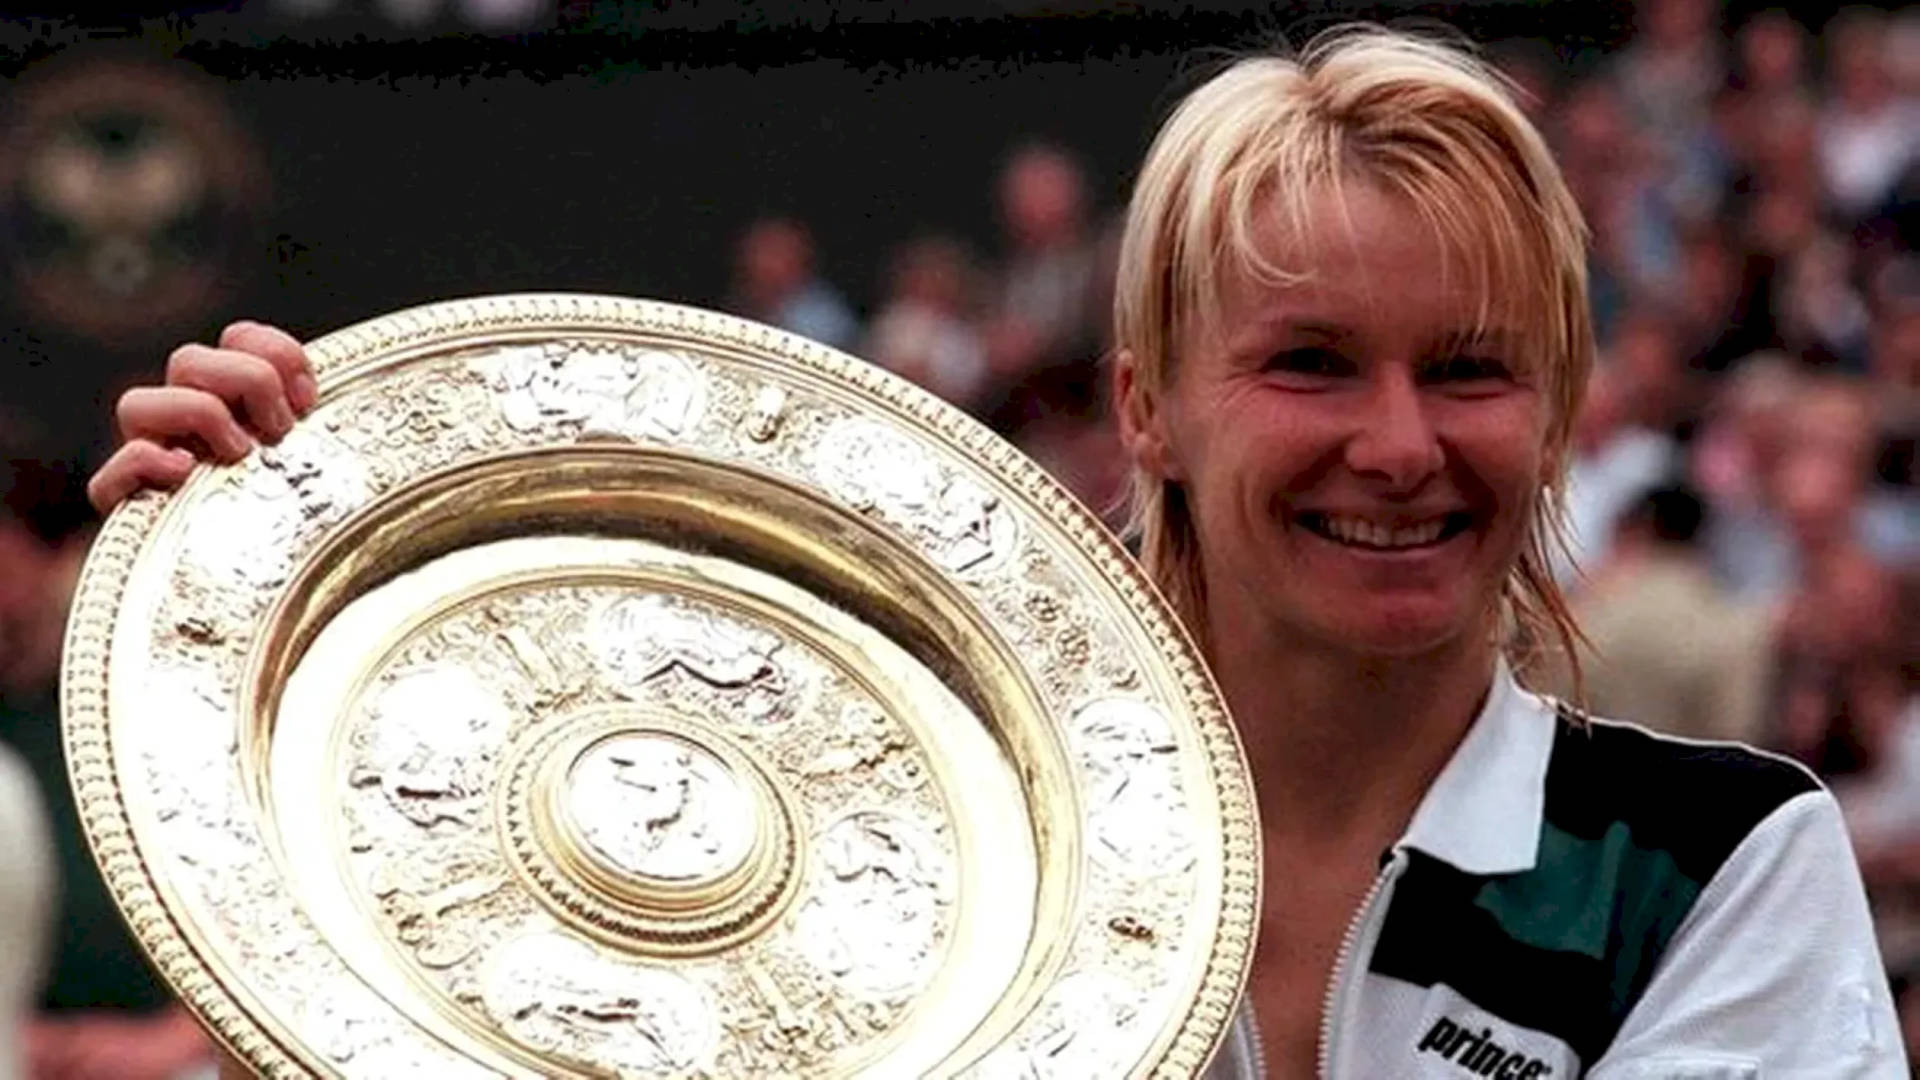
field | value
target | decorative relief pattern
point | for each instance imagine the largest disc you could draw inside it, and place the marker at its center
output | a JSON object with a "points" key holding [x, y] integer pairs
{"points": [[249, 532], [862, 741], [636, 639], [437, 415], [591, 388], [427, 741], [962, 499], [557, 995], [1080, 1030], [1137, 811], [874, 920], [875, 468]]}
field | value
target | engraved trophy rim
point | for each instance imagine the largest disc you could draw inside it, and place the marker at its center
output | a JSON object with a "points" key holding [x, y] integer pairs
{"points": [[128, 581]]}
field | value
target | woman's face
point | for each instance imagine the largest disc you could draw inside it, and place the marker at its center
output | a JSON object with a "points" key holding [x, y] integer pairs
{"points": [[1360, 463]]}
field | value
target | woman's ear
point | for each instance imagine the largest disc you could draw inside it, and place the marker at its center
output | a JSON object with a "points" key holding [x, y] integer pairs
{"points": [[1143, 423]]}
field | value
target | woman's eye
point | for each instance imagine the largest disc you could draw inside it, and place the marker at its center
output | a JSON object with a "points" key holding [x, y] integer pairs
{"points": [[1309, 361]]}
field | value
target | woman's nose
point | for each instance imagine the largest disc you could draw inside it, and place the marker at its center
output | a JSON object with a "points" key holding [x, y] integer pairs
{"points": [[1395, 441]]}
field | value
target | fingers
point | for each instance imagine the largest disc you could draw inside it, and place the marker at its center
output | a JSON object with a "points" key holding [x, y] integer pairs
{"points": [[171, 414], [139, 464], [279, 348], [217, 400], [238, 378]]}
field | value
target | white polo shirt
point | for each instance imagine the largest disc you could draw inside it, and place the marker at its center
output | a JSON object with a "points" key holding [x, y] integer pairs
{"points": [[1581, 898]]}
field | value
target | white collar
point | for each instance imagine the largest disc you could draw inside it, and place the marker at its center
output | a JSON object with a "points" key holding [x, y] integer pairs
{"points": [[1483, 812]]}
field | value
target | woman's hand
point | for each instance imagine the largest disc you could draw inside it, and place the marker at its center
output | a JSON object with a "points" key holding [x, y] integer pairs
{"points": [[218, 401], [107, 1045]]}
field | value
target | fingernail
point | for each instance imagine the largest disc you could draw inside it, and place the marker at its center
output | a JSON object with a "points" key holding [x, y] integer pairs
{"points": [[306, 392], [282, 419], [181, 457]]}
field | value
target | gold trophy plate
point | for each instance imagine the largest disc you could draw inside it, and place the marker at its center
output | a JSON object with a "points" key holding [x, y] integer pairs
{"points": [[601, 687]]}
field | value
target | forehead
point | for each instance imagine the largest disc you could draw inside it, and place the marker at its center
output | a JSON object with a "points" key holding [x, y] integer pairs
{"points": [[1369, 259]]}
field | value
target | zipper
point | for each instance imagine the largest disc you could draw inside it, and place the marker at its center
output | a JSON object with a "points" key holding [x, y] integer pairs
{"points": [[1259, 1048], [1364, 925]]}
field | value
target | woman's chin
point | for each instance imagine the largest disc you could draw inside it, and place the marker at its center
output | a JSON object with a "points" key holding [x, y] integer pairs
{"points": [[1399, 631]]}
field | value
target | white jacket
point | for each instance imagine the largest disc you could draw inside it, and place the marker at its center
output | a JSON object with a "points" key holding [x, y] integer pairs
{"points": [[1579, 898]]}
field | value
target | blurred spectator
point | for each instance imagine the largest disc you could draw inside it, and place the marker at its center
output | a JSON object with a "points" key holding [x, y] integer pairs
{"points": [[1621, 441], [1082, 450], [775, 283], [1848, 708], [1895, 352], [1741, 430], [104, 1015], [1044, 329], [27, 874], [1792, 460], [1673, 67], [1670, 648], [1767, 96], [1720, 311], [1780, 184], [1823, 482], [926, 330], [1869, 130], [1838, 628], [1829, 656], [1611, 169], [1771, 67], [1823, 317]]}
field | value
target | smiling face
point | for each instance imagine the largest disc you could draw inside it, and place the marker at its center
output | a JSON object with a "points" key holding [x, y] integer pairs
{"points": [[1360, 452]]}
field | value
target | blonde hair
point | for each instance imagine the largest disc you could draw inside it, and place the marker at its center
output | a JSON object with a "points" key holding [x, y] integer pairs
{"points": [[1255, 145]]}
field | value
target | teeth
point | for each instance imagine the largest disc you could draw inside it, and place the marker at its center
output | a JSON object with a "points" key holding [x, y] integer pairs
{"points": [[1354, 530]]}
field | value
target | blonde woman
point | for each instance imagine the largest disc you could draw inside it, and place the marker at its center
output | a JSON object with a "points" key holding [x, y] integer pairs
{"points": [[1352, 334]]}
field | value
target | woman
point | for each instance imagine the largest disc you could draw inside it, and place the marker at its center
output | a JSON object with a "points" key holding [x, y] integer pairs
{"points": [[1352, 333]]}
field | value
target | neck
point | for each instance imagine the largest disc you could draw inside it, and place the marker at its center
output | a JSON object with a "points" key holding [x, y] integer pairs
{"points": [[1344, 747]]}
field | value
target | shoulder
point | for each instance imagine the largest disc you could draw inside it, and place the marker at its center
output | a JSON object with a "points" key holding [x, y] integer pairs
{"points": [[1777, 922], [1693, 801], [1634, 829]]}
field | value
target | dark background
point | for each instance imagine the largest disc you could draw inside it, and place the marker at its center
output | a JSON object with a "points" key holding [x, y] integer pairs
{"points": [[621, 147]]}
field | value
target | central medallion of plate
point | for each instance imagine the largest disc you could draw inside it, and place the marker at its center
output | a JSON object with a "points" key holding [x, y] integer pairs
{"points": [[654, 831], [659, 808]]}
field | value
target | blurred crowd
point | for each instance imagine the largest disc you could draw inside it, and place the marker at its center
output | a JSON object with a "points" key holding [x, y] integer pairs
{"points": [[1743, 544]]}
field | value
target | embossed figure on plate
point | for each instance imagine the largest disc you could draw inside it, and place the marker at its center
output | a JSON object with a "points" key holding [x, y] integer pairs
{"points": [[597, 388], [1135, 803], [641, 638], [878, 918], [656, 806], [428, 744], [960, 524], [1079, 1029], [555, 993]]}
